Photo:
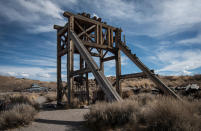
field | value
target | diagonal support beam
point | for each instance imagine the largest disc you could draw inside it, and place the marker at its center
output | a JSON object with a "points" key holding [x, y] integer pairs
{"points": [[84, 31], [104, 83]]}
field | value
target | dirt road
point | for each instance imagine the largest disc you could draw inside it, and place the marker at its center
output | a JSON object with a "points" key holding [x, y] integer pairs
{"points": [[57, 120]]}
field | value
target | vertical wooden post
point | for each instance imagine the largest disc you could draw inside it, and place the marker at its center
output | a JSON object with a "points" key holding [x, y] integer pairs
{"points": [[108, 37], [97, 34], [118, 61], [101, 61], [101, 35], [87, 85], [70, 61], [59, 82], [111, 37]]}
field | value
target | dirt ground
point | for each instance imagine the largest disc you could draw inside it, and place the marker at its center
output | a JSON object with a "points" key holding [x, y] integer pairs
{"points": [[57, 120]]}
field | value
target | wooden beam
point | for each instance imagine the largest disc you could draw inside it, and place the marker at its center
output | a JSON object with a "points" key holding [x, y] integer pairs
{"points": [[87, 84], [63, 52], [97, 34], [108, 37], [70, 62], [105, 53], [94, 45], [59, 82], [111, 37], [108, 58], [85, 31], [80, 72], [118, 62], [63, 30], [101, 62], [101, 35], [134, 75], [58, 27], [68, 14], [94, 54]]}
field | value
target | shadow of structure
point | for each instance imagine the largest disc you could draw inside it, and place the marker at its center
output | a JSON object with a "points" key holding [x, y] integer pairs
{"points": [[71, 125]]}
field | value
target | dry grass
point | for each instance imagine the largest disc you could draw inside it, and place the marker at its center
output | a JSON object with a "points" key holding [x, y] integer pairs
{"points": [[20, 114], [169, 114], [16, 111], [146, 112], [50, 96]]}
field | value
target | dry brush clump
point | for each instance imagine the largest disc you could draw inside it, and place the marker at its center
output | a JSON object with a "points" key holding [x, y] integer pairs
{"points": [[16, 111], [141, 113]]}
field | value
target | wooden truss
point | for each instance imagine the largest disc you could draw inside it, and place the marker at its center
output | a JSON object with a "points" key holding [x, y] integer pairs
{"points": [[89, 37]]}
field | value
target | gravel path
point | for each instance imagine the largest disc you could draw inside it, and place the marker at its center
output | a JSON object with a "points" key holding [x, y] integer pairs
{"points": [[57, 120]]}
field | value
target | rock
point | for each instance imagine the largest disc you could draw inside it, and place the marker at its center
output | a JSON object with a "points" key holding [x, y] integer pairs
{"points": [[192, 88]]}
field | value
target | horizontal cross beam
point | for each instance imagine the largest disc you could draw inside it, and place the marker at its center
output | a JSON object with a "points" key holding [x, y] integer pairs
{"points": [[108, 58], [79, 72]]}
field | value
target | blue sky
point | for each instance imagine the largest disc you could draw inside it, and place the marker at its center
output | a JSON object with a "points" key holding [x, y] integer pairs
{"points": [[165, 34]]}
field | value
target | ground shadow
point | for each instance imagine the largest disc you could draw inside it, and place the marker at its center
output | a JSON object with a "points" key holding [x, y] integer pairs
{"points": [[71, 125]]}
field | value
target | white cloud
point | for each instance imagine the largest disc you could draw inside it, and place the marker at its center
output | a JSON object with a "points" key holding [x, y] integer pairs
{"points": [[23, 74], [36, 15], [46, 75], [181, 62], [195, 40], [45, 7], [29, 72], [42, 28], [153, 18]]}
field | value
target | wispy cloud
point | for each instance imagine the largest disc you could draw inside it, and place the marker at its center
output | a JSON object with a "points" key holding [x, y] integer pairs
{"points": [[29, 72], [153, 18], [180, 62], [37, 16], [190, 41]]}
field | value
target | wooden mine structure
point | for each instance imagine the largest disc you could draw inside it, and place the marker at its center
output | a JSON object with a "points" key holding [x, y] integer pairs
{"points": [[82, 35]]}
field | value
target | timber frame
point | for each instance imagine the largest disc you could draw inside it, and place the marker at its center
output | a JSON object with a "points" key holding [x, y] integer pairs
{"points": [[99, 39]]}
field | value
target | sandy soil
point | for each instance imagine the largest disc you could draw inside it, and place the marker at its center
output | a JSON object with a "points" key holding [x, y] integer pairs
{"points": [[57, 120]]}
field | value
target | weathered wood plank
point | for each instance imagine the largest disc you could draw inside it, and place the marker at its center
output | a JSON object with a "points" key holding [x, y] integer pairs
{"points": [[108, 58], [59, 90], [70, 62]]}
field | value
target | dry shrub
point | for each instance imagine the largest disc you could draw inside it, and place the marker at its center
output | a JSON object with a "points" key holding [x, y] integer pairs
{"points": [[51, 96], [16, 111], [9, 102], [109, 115], [146, 112], [20, 114], [170, 114]]}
